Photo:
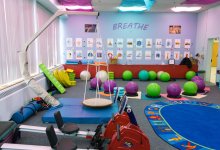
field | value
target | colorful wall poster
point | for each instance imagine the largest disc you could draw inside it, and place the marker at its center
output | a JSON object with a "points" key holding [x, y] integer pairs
{"points": [[167, 55], [110, 42], [69, 42], [98, 43], [158, 43], [90, 28], [79, 54], [138, 54], [157, 55], [120, 54], [90, 54], [186, 54], [110, 54], [139, 43], [90, 42], [149, 43], [69, 54], [129, 55], [176, 55], [99, 54], [148, 55], [168, 43], [175, 29], [78, 42], [130, 43], [120, 43], [177, 43], [187, 43]]}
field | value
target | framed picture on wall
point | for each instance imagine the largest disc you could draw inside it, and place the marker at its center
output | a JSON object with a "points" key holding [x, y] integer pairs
{"points": [[98, 42], [175, 29], [168, 43], [110, 54], [187, 43], [78, 42], [186, 54], [138, 54], [129, 55], [177, 43], [69, 54], [129, 43], [99, 54], [139, 43], [158, 43], [110, 42], [148, 55], [148, 43], [120, 43], [171, 61], [120, 54], [157, 55], [79, 54], [90, 28], [167, 55], [89, 42], [90, 54], [176, 55], [69, 42]]}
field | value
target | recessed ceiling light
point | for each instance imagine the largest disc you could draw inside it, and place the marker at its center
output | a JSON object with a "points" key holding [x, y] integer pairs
{"points": [[133, 8], [185, 9]]}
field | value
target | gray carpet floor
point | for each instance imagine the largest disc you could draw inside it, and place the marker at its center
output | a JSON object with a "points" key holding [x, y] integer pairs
{"points": [[138, 107]]}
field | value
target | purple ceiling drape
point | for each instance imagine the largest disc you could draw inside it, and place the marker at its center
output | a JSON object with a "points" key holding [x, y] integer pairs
{"points": [[202, 2]]}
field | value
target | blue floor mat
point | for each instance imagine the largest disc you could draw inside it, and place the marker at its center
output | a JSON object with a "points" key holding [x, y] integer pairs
{"points": [[73, 111], [186, 124]]}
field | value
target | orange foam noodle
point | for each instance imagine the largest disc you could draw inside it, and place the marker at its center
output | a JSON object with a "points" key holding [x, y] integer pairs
{"points": [[69, 70], [100, 63]]}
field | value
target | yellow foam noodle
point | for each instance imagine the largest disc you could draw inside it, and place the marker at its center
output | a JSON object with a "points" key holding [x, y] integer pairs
{"points": [[60, 73], [65, 78], [69, 70], [73, 83], [55, 74]]}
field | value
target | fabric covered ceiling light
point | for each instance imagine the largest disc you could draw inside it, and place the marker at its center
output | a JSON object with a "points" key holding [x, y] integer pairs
{"points": [[82, 5], [201, 2], [132, 5]]}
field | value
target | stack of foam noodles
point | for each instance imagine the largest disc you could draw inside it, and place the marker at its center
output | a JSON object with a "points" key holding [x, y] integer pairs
{"points": [[111, 75], [65, 77], [25, 112]]}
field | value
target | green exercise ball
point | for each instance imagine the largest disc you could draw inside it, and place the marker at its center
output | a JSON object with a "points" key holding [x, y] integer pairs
{"points": [[152, 75], [158, 74], [127, 75], [165, 77], [190, 75], [153, 90], [143, 75], [190, 88]]}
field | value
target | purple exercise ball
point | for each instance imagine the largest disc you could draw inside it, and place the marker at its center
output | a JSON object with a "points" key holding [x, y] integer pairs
{"points": [[197, 78], [200, 84], [131, 88], [109, 85], [173, 90], [93, 83]]}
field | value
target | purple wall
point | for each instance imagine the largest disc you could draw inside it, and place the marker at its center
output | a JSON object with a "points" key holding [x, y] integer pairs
{"points": [[156, 25]]}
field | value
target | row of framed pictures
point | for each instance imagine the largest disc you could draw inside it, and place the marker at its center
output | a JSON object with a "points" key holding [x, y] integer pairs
{"points": [[130, 43], [130, 55]]}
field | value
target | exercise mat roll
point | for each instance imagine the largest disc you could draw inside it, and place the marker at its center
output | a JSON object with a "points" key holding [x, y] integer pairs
{"points": [[26, 112]]}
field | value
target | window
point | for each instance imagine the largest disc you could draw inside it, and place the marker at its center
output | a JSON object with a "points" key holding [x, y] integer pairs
{"points": [[19, 20]]}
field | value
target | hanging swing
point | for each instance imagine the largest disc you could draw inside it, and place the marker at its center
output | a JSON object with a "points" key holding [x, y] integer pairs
{"points": [[97, 101]]}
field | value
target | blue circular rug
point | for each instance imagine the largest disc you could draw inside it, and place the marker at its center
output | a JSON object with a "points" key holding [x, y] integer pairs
{"points": [[186, 124]]}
